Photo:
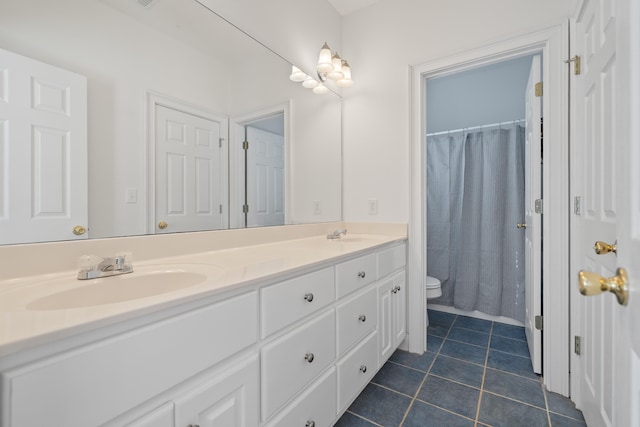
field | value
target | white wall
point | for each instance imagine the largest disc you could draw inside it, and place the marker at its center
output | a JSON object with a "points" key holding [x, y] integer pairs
{"points": [[381, 42], [491, 94], [295, 29]]}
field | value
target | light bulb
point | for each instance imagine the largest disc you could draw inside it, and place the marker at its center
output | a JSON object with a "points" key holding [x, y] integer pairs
{"points": [[309, 82], [296, 74], [320, 89], [346, 80], [336, 74], [324, 59]]}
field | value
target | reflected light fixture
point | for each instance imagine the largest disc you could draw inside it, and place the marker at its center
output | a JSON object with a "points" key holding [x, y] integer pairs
{"points": [[330, 66]]}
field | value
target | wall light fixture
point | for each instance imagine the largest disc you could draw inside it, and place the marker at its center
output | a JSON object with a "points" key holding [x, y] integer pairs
{"points": [[330, 66]]}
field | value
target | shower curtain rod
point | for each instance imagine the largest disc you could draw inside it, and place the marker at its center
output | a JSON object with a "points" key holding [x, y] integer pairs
{"points": [[510, 122]]}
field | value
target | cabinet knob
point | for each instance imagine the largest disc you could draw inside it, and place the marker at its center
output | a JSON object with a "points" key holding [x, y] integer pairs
{"points": [[309, 357], [362, 274], [310, 423], [397, 288], [308, 297], [363, 368], [362, 318]]}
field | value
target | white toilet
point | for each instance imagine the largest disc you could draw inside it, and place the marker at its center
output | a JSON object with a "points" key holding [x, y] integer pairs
{"points": [[433, 288]]}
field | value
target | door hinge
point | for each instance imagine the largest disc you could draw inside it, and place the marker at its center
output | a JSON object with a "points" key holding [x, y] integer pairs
{"points": [[245, 209], [538, 321], [577, 205], [245, 145], [576, 345], [220, 142], [538, 206], [538, 89], [220, 209], [576, 64]]}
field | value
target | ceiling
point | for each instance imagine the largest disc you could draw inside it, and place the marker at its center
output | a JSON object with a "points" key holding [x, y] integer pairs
{"points": [[345, 7]]}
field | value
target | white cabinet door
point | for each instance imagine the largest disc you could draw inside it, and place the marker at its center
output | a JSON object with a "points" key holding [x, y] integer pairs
{"points": [[43, 151], [399, 311], [227, 398], [392, 306]]}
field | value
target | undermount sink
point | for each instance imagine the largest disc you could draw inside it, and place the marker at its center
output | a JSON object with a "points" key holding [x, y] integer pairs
{"points": [[144, 282]]}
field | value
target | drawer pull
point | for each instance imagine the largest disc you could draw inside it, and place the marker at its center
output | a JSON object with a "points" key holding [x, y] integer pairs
{"points": [[193, 425], [363, 368], [310, 423], [308, 297], [362, 274], [362, 318], [309, 357]]}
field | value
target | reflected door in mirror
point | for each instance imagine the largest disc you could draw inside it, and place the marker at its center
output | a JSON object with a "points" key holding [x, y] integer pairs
{"points": [[265, 177], [43, 151], [189, 171]]}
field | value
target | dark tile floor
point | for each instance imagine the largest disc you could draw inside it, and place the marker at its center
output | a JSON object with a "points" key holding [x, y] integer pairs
{"points": [[474, 373]]}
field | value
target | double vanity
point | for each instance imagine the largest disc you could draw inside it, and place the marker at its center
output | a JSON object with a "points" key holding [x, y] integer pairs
{"points": [[284, 332]]}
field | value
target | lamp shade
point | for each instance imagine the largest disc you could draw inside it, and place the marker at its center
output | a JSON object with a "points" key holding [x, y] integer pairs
{"points": [[320, 89], [346, 80], [336, 74], [324, 59], [296, 74], [310, 82]]}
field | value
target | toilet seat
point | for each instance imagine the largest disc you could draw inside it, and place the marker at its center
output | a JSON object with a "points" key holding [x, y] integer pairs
{"points": [[433, 287]]}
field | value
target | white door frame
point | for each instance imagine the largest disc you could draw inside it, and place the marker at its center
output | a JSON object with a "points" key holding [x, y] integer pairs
{"points": [[154, 99], [236, 136], [553, 44]]}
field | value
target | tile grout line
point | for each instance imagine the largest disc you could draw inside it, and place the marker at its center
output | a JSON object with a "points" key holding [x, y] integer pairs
{"points": [[415, 396], [484, 372]]}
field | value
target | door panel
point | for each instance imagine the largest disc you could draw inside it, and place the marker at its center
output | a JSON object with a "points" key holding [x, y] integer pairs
{"points": [[265, 178], [532, 232], [603, 145], [43, 151], [189, 171]]}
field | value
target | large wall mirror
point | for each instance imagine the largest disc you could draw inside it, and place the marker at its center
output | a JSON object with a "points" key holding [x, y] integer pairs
{"points": [[182, 123]]}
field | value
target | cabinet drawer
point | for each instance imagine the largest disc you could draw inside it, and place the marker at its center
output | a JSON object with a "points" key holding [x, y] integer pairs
{"points": [[290, 362], [286, 302], [315, 405], [356, 318], [356, 369], [391, 260], [93, 384], [355, 274]]}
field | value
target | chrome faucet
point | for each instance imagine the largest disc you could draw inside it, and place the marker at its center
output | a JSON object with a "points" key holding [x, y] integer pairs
{"points": [[92, 267], [336, 234]]}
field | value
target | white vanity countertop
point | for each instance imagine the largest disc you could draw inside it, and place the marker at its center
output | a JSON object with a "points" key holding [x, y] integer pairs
{"points": [[27, 318]]}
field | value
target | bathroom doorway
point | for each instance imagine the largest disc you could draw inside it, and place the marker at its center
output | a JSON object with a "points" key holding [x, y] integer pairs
{"points": [[483, 175]]}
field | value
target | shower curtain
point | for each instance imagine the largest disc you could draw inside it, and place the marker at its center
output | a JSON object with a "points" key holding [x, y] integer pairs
{"points": [[475, 198]]}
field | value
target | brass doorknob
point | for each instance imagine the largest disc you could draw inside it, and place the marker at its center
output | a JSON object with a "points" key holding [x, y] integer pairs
{"points": [[591, 284], [521, 225], [79, 230], [602, 248], [162, 225]]}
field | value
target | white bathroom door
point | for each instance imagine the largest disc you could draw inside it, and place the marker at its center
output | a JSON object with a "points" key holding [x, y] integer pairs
{"points": [[43, 151], [605, 135], [265, 178], [532, 220], [188, 171]]}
